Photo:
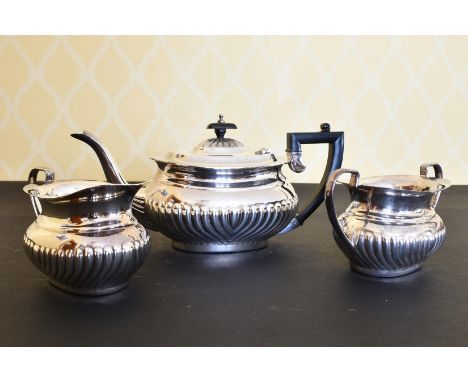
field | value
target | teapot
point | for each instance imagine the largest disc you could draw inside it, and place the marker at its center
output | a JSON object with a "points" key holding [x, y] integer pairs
{"points": [[221, 197], [391, 227], [84, 238]]}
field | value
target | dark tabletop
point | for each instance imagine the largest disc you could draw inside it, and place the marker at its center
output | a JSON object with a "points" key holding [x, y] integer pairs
{"points": [[298, 291]]}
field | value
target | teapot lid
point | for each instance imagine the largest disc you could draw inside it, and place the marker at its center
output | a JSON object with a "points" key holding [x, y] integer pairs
{"points": [[223, 152], [220, 145]]}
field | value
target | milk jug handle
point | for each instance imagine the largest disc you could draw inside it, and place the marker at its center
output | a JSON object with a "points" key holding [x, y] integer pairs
{"points": [[32, 179], [437, 170], [49, 175], [330, 204]]}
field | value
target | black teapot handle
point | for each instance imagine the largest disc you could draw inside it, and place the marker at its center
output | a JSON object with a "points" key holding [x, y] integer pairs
{"points": [[335, 142]]}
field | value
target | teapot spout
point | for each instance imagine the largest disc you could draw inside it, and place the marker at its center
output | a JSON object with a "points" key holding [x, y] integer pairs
{"points": [[111, 170]]}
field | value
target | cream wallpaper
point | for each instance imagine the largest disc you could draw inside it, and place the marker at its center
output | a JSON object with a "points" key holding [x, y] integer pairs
{"points": [[400, 100]]}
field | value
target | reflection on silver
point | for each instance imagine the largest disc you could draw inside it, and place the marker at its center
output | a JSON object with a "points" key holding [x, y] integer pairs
{"points": [[84, 239], [391, 226], [217, 229], [295, 162], [218, 210]]}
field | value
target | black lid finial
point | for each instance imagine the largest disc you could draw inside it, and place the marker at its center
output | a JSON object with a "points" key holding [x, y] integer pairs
{"points": [[325, 127], [221, 126]]}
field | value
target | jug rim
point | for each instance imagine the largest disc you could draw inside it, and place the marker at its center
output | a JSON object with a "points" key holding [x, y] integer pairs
{"points": [[401, 184], [66, 188]]}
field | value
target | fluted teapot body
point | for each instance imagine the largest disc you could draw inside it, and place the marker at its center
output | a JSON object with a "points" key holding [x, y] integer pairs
{"points": [[221, 197], [220, 209]]}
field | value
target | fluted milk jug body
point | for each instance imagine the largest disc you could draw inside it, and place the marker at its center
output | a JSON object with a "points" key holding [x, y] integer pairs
{"points": [[84, 238]]}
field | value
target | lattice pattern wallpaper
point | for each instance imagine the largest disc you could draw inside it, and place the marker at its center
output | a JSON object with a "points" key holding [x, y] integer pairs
{"points": [[400, 100]]}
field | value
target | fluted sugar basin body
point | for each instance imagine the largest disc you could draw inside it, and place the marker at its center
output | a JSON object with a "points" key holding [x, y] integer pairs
{"points": [[389, 241], [391, 226]]}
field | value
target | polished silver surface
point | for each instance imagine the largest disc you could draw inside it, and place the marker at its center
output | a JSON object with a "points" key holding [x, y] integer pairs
{"points": [[219, 201], [216, 143], [139, 211], [85, 238], [391, 226], [232, 228], [220, 248], [295, 161]]}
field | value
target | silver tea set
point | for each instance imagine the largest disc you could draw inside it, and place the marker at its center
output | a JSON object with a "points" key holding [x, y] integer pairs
{"points": [[89, 237]]}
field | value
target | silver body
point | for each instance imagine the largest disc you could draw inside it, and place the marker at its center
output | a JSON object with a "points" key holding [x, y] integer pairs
{"points": [[220, 210], [391, 225], [85, 239]]}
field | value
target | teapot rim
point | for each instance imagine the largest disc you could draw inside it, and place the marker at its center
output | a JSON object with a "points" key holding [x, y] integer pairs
{"points": [[279, 161]]}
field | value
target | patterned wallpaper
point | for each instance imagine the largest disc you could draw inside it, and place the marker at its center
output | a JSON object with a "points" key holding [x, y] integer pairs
{"points": [[400, 100]]}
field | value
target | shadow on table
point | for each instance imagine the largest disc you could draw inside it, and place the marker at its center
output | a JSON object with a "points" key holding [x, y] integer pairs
{"points": [[227, 261]]}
